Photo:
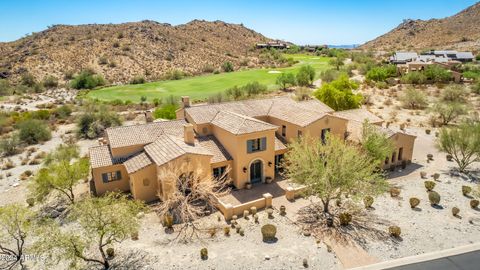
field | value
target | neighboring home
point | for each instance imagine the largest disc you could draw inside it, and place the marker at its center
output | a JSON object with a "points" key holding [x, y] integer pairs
{"points": [[403, 57], [244, 139], [453, 55], [400, 58], [273, 44]]}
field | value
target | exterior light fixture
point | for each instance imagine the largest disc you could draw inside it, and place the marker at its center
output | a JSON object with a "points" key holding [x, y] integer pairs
{"points": [[269, 164], [244, 169]]}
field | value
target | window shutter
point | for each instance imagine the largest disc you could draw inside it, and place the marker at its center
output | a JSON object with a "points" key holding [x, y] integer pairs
{"points": [[249, 146], [264, 144], [119, 175], [105, 177]]}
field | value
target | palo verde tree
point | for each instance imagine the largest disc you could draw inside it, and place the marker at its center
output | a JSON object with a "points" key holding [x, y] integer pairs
{"points": [[286, 79], [17, 223], [102, 223], [337, 61], [188, 194], [375, 143], [305, 75], [462, 143], [332, 170], [449, 111], [61, 172], [338, 94]]}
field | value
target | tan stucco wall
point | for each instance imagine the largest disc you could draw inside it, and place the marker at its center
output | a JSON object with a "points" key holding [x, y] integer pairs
{"points": [[404, 141], [119, 185], [127, 150], [337, 126], [139, 190], [291, 129]]}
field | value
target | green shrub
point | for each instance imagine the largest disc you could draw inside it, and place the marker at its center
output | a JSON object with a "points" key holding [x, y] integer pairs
{"points": [[394, 192], [92, 123], [5, 88], [63, 112], [466, 190], [204, 253], [166, 111], [395, 231], [434, 198], [174, 75], [413, 99], [437, 74], [339, 95], [381, 74], [33, 131], [9, 146], [268, 232], [330, 75], [454, 93], [28, 79], [414, 77], [227, 66], [429, 185], [474, 203], [50, 82], [87, 79], [137, 80], [455, 211], [305, 75], [345, 218], [414, 202], [368, 201]]}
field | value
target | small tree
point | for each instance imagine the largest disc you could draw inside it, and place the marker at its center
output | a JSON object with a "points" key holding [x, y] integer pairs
{"points": [[332, 170], [413, 99], [337, 62], [60, 174], [462, 143], [33, 131], [16, 225], [449, 111], [305, 75], [285, 79], [454, 93], [376, 144], [102, 222], [190, 194], [338, 94]]}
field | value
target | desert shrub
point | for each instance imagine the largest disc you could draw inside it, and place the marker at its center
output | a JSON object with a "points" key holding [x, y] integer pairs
{"points": [[268, 232], [414, 77], [429, 185], [174, 75], [167, 221], [87, 79], [204, 253], [62, 112], [330, 75], [474, 203], [448, 111], [434, 197], [50, 82], [455, 211], [466, 190], [226, 231], [166, 111], [454, 93], [137, 80], [414, 202], [476, 88], [395, 231], [28, 79], [227, 66], [436, 73], [9, 146], [413, 99], [92, 123], [394, 192], [102, 60], [381, 74], [33, 131], [436, 176], [5, 88], [30, 202], [423, 174], [345, 218], [368, 201]]}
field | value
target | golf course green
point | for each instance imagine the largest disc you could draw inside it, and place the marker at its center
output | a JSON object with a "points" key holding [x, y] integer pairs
{"points": [[201, 87]]}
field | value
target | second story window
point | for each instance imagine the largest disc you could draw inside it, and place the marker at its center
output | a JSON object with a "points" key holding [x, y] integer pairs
{"points": [[299, 134], [284, 130], [256, 145]]}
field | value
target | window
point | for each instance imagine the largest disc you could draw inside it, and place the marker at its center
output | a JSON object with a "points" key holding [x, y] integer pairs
{"points": [[219, 172], [386, 160], [284, 130], [325, 131], [393, 156], [256, 145], [400, 153], [111, 176], [146, 182], [299, 134]]}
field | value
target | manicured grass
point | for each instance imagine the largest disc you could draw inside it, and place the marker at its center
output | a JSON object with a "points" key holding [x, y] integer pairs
{"points": [[201, 87]]}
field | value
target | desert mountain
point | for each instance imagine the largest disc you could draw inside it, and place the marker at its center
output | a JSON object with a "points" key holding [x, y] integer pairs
{"points": [[122, 51], [460, 31]]}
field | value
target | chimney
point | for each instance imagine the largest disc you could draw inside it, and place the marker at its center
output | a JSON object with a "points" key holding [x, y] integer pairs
{"points": [[188, 134], [185, 101]]}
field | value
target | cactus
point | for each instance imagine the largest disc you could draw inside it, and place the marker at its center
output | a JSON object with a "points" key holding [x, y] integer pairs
{"points": [[474, 203], [345, 218], [395, 231], [255, 218], [168, 221], [466, 190], [368, 201], [241, 232], [253, 210], [429, 185], [449, 157], [238, 228], [134, 236], [305, 263], [455, 211], [283, 210], [434, 198], [427, 131], [394, 192], [436, 176], [423, 174], [429, 157], [110, 252], [30, 202], [204, 253], [245, 214], [268, 232], [226, 231], [270, 212], [414, 202]]}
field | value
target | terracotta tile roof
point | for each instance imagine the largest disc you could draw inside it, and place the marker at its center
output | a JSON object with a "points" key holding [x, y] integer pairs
{"points": [[240, 124], [355, 131], [316, 105], [137, 162], [279, 144], [212, 145], [359, 115], [143, 134], [100, 156], [295, 114], [166, 148]]}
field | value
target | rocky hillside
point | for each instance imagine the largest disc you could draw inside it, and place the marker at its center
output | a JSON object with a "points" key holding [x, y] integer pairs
{"points": [[460, 31], [122, 51]]}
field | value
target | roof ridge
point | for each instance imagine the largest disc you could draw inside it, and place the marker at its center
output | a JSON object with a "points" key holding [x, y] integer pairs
{"points": [[245, 117]]}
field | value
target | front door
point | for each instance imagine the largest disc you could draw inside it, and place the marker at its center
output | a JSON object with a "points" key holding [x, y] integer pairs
{"points": [[256, 172]]}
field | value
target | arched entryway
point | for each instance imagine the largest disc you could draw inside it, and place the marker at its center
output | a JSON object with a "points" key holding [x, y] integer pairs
{"points": [[256, 171]]}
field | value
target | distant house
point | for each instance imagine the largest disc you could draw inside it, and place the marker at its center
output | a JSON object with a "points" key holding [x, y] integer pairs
{"points": [[403, 57], [273, 44], [445, 56], [453, 55]]}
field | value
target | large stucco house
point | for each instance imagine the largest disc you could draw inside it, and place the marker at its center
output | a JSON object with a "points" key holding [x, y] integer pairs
{"points": [[248, 137]]}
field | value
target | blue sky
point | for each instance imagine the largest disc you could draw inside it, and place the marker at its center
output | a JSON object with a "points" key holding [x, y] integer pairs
{"points": [[301, 21]]}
